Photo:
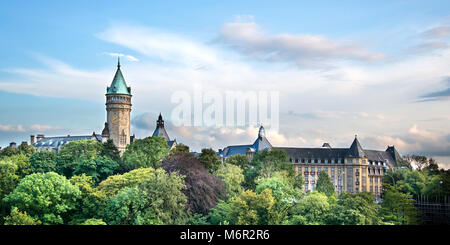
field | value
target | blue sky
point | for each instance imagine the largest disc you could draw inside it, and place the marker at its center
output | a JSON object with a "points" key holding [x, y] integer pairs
{"points": [[378, 69]]}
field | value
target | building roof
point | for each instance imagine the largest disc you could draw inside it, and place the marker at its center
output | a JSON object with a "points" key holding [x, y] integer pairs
{"points": [[355, 149], [260, 144], [118, 85], [336, 153], [160, 131], [58, 141]]}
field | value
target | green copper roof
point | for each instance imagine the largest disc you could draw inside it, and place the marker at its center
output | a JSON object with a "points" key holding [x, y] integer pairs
{"points": [[118, 85]]}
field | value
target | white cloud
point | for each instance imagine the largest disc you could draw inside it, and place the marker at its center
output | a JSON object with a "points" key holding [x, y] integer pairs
{"points": [[129, 57], [31, 128], [438, 32], [304, 49]]}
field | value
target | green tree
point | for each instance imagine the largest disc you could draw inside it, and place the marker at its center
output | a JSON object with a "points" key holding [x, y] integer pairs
{"points": [[310, 210], [180, 148], [26, 149], [355, 209], [22, 162], [284, 193], [144, 153], [99, 168], [72, 151], [20, 218], [324, 184], [8, 182], [219, 215], [8, 151], [233, 178], [110, 150], [158, 200], [113, 184], [47, 197], [44, 161], [239, 160], [266, 164], [254, 209], [92, 202], [210, 160], [398, 208]]}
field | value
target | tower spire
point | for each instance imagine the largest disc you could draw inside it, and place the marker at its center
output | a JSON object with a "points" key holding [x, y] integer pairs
{"points": [[118, 62]]}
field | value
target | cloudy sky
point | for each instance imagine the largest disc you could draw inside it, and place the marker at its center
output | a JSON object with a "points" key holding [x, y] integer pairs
{"points": [[378, 69]]}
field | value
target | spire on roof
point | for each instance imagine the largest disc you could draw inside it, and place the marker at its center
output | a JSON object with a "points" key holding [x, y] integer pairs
{"points": [[355, 149], [160, 131], [262, 132], [118, 85]]}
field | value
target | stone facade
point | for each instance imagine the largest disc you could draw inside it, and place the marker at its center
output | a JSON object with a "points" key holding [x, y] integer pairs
{"points": [[118, 108]]}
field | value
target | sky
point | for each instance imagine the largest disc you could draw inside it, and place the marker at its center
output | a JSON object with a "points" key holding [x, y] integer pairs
{"points": [[376, 69]]}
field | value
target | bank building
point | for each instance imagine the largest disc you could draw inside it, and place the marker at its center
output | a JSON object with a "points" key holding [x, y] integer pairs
{"points": [[117, 126], [352, 169]]}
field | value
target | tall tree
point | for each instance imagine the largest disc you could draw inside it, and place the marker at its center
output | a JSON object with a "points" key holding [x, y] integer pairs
{"points": [[110, 150], [8, 182], [239, 160], [74, 150], [324, 184], [232, 176], [144, 153], [203, 189], [398, 208], [44, 161], [99, 168], [209, 159]]}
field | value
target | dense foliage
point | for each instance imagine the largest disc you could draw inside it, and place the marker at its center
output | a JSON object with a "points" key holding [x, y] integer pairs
{"points": [[90, 183], [203, 190]]}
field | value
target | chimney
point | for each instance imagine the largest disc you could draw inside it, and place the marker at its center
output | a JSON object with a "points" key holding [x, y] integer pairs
{"points": [[326, 145], [39, 137], [24, 143], [12, 144], [31, 139]]}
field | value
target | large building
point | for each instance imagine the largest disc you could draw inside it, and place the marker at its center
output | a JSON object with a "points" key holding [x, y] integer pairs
{"points": [[118, 109], [352, 169], [117, 125]]}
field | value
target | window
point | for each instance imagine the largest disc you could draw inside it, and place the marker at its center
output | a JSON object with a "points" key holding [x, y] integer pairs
{"points": [[349, 160], [309, 160], [329, 160], [299, 169], [322, 160], [326, 170], [350, 171], [316, 161], [296, 160], [303, 160]]}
